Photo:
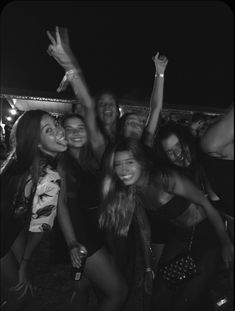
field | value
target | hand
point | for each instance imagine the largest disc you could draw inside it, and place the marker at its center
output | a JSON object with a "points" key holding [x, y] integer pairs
{"points": [[148, 281], [60, 48], [228, 254], [75, 255], [24, 283], [160, 63]]}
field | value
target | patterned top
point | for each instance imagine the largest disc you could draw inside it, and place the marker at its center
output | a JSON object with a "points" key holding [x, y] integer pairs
{"points": [[45, 201]]}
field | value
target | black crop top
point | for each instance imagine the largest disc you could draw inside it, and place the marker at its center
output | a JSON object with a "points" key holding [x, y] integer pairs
{"points": [[150, 197]]}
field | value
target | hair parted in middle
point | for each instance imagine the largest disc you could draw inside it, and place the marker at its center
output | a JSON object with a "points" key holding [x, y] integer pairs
{"points": [[118, 204]]}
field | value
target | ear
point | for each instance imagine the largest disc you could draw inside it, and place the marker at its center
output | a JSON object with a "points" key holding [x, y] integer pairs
{"points": [[40, 146]]}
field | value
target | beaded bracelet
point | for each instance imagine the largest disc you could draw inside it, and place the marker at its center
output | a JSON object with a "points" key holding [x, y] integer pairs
{"points": [[68, 77]]}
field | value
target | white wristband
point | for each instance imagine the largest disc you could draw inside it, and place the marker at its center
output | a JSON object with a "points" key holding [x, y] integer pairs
{"points": [[161, 75]]}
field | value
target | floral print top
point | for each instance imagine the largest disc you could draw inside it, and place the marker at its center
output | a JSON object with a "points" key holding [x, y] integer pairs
{"points": [[45, 201]]}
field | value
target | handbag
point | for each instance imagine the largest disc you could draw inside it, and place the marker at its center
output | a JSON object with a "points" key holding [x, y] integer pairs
{"points": [[179, 269]]}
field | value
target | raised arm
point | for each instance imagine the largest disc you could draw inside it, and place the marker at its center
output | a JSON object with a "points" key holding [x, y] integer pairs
{"points": [[62, 53], [183, 187], [156, 100], [218, 141]]}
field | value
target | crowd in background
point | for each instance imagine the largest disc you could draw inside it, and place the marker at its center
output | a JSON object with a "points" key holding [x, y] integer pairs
{"points": [[151, 204]]}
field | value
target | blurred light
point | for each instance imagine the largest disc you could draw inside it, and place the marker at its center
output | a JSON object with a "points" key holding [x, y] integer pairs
{"points": [[9, 118], [13, 111], [3, 127], [121, 111]]}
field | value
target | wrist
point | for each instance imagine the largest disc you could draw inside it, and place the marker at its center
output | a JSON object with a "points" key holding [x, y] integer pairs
{"points": [[24, 259], [72, 245], [159, 75]]}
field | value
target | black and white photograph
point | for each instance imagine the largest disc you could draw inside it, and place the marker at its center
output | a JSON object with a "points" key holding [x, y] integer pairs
{"points": [[117, 151]]}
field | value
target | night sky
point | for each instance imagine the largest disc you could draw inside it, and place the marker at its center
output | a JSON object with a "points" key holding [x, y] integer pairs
{"points": [[114, 43]]}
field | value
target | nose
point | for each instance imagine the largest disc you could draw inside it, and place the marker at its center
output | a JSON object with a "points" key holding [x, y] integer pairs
{"points": [[125, 169]]}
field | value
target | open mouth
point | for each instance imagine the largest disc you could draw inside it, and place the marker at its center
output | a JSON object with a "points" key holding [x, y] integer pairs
{"points": [[126, 177], [62, 142], [108, 112]]}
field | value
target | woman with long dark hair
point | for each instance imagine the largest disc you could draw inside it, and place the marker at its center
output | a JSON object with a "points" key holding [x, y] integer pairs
{"points": [[30, 186], [169, 195], [77, 216]]}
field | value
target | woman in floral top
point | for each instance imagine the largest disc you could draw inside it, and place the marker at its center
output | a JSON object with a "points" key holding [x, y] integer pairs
{"points": [[30, 187]]}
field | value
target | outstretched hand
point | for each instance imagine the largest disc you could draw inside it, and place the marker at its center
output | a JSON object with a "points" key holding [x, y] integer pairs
{"points": [[160, 63], [60, 48]]}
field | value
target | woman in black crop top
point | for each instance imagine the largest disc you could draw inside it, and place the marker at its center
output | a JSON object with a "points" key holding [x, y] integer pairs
{"points": [[169, 195]]}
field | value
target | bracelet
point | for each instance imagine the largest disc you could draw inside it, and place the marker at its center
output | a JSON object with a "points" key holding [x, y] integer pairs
{"points": [[157, 75], [148, 269], [68, 77], [72, 73]]}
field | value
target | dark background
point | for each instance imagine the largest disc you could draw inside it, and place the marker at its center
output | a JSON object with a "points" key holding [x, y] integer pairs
{"points": [[114, 43]]}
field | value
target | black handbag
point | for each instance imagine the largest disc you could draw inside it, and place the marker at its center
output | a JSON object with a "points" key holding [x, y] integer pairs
{"points": [[180, 268]]}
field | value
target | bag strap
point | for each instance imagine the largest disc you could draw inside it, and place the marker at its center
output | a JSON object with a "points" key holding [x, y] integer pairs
{"points": [[191, 239]]}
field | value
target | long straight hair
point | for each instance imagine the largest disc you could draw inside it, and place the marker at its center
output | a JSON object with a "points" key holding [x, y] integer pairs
{"points": [[24, 158], [118, 204]]}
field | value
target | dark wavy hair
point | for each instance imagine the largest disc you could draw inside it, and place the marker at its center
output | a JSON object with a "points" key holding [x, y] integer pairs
{"points": [[121, 124], [118, 204], [189, 143]]}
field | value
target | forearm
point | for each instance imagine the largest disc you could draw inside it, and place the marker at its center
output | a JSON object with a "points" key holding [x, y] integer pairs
{"points": [[33, 240], [156, 103], [217, 221], [65, 223]]}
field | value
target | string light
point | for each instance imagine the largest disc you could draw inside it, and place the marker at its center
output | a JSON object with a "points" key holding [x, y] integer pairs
{"points": [[13, 111]]}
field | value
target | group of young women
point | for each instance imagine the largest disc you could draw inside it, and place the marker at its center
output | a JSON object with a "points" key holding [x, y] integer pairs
{"points": [[100, 177]]}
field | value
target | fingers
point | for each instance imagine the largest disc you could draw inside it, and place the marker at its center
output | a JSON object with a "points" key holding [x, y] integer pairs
{"points": [[18, 287], [57, 34], [50, 50], [51, 37], [24, 293], [76, 260]]}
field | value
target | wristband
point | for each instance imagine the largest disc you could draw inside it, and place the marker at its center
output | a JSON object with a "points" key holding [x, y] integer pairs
{"points": [[68, 77], [157, 75]]}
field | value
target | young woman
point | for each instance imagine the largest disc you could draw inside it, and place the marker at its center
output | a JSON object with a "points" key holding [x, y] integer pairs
{"points": [[169, 195], [107, 111], [77, 217], [30, 186]]}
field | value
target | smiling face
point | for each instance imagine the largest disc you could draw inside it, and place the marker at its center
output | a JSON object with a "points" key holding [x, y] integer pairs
{"points": [[75, 132], [174, 151], [52, 138], [107, 109], [133, 127], [127, 168]]}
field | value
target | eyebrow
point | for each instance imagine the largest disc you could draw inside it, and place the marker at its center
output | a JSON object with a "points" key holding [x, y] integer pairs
{"points": [[45, 125], [128, 159]]}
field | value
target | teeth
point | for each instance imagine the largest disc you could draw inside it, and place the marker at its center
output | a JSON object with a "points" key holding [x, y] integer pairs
{"points": [[126, 177]]}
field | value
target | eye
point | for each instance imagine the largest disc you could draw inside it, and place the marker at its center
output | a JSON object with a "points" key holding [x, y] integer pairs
{"points": [[130, 162], [49, 130]]}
